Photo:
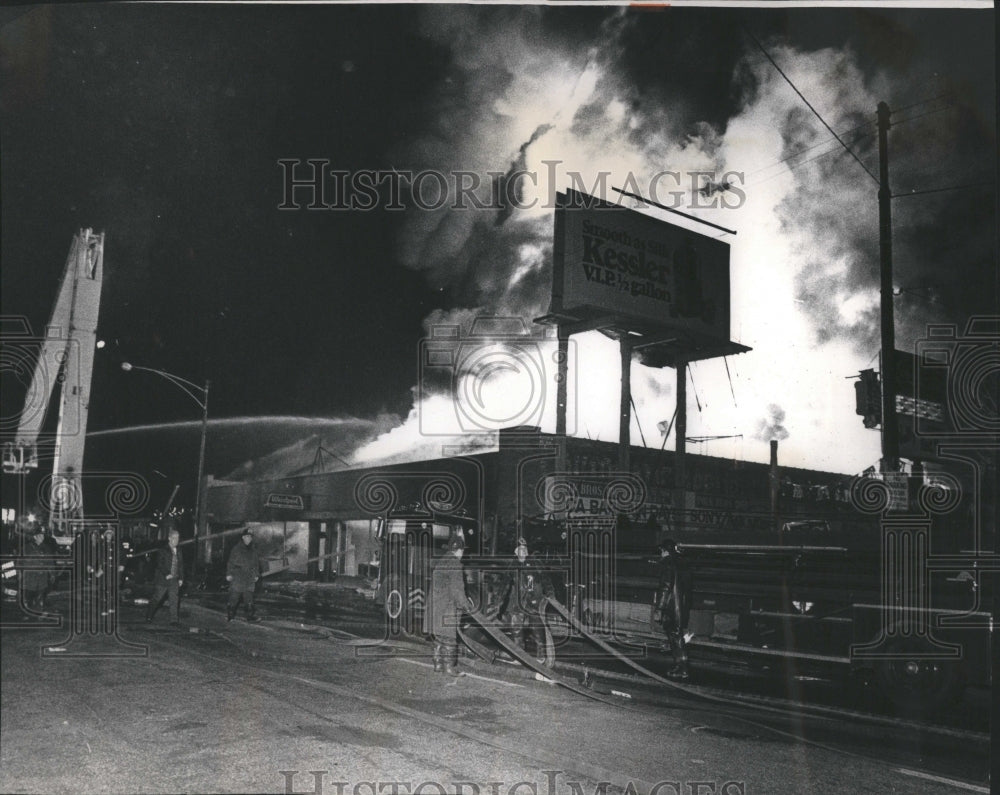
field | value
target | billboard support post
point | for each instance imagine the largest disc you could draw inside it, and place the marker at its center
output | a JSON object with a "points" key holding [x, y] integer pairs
{"points": [[680, 443], [659, 289], [562, 378], [625, 410]]}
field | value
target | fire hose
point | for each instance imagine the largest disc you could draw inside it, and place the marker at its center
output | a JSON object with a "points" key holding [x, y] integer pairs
{"points": [[495, 631], [575, 623]]}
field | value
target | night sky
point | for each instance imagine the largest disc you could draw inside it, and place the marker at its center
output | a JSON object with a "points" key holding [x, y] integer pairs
{"points": [[163, 126]]}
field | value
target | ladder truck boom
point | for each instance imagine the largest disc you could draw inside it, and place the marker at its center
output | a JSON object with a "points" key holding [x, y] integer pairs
{"points": [[66, 360]]}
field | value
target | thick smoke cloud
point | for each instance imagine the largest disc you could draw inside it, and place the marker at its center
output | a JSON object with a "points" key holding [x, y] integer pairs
{"points": [[609, 98], [942, 257], [563, 103]]}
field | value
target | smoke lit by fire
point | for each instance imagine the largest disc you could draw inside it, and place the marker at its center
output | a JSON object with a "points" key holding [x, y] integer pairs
{"points": [[804, 269]]}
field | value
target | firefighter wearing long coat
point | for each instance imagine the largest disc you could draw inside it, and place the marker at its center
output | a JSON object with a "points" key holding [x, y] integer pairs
{"points": [[673, 603], [35, 583], [168, 577], [447, 603], [242, 572]]}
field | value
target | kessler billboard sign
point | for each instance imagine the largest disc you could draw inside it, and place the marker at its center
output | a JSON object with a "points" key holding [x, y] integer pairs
{"points": [[613, 260]]}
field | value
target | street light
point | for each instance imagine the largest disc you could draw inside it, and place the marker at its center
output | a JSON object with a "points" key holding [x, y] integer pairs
{"points": [[192, 390]]}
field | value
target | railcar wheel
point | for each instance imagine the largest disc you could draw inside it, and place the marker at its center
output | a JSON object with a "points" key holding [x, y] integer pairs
{"points": [[395, 606], [915, 684]]}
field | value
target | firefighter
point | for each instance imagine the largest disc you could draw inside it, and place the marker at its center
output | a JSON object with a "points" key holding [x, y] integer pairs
{"points": [[242, 572], [169, 578], [673, 603], [526, 587], [36, 583], [448, 602]]}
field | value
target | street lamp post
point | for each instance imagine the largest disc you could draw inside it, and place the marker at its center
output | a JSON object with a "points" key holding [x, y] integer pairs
{"points": [[192, 390]]}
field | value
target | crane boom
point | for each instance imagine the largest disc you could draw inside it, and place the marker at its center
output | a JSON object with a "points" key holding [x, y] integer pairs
{"points": [[66, 359]]}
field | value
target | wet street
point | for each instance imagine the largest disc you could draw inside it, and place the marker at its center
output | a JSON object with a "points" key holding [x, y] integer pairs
{"points": [[294, 706]]}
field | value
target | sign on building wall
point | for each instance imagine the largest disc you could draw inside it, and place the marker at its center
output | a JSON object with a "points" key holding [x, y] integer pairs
{"points": [[613, 260], [921, 406], [287, 501]]}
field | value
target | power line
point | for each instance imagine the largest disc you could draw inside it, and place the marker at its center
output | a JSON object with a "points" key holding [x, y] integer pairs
{"points": [[922, 102], [942, 190], [803, 162], [808, 148], [921, 115], [816, 112], [830, 151]]}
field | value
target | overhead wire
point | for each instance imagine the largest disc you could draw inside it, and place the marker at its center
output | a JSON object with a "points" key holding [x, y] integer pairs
{"points": [[808, 148], [946, 106], [804, 162], [870, 124], [867, 126], [921, 102], [808, 105], [921, 115], [980, 184]]}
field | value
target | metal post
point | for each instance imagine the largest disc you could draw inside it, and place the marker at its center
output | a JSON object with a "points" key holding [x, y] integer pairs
{"points": [[198, 529], [890, 432], [774, 487], [562, 361], [680, 440], [625, 412], [562, 376], [313, 557]]}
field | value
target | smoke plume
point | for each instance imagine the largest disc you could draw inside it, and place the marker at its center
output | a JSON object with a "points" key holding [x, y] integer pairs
{"points": [[591, 111], [772, 427]]}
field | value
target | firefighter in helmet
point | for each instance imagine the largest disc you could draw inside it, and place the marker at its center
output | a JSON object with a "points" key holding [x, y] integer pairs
{"points": [[526, 587], [448, 601], [673, 603], [36, 582]]}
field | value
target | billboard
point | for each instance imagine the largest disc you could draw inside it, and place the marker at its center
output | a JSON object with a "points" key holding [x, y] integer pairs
{"points": [[613, 261]]}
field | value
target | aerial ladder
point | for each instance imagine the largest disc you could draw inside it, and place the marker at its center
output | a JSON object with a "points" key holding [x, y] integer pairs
{"points": [[66, 360]]}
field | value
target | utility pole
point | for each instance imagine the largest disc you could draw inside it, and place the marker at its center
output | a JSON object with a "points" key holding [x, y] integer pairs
{"points": [[890, 431]]}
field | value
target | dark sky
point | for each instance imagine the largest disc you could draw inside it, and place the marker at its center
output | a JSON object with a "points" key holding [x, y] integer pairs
{"points": [[163, 126]]}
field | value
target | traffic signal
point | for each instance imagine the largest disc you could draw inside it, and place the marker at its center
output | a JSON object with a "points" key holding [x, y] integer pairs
{"points": [[868, 398]]}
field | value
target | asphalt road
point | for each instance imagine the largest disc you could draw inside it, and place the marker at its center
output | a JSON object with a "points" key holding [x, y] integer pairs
{"points": [[282, 707]]}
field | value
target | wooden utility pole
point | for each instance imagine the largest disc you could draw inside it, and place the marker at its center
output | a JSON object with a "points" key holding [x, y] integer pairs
{"points": [[890, 431]]}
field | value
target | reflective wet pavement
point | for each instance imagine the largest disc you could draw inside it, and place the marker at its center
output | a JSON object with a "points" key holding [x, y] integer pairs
{"points": [[244, 707]]}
